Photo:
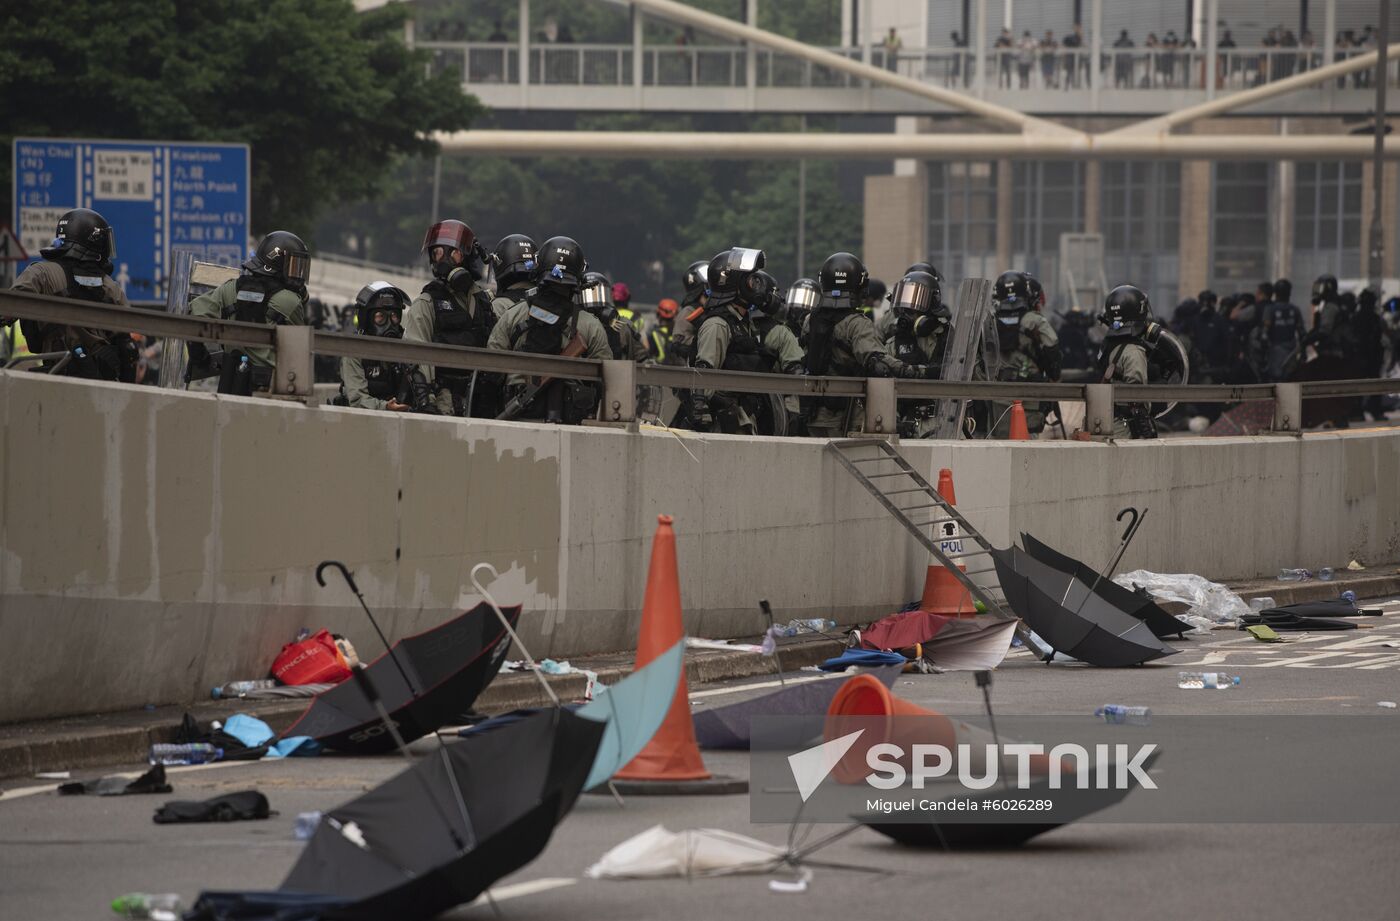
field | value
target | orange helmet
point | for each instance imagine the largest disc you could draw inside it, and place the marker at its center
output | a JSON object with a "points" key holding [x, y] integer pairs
{"points": [[666, 309]]}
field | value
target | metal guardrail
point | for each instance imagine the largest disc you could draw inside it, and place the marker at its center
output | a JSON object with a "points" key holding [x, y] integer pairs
{"points": [[296, 346]]}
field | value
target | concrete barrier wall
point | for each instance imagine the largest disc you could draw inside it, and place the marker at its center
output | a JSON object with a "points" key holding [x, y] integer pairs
{"points": [[154, 544]]}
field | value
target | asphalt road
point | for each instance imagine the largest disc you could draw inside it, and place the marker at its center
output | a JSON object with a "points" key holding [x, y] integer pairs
{"points": [[67, 857]]}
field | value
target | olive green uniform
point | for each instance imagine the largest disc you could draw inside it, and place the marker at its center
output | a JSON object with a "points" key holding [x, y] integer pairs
{"points": [[49, 278], [220, 303], [510, 328], [419, 325], [854, 346], [1127, 365], [1023, 364], [355, 386]]}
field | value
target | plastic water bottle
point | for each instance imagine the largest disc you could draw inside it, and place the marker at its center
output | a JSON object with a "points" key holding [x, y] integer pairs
{"points": [[1349, 595], [239, 688], [811, 625], [185, 753], [307, 823], [1325, 574], [1262, 603], [164, 906], [1293, 575], [1213, 680], [1119, 713]]}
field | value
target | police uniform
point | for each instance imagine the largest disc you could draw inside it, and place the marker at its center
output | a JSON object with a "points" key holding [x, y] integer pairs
{"points": [[442, 315], [1124, 361], [508, 335], [855, 350], [254, 298], [369, 384], [112, 354], [1034, 338]]}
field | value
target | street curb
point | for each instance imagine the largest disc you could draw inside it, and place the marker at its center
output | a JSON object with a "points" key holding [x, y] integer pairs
{"points": [[83, 748]]}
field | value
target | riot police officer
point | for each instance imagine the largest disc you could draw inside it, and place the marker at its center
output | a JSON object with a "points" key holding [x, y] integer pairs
{"points": [[1123, 358], [1076, 345], [696, 282], [271, 289], [595, 296], [370, 384], [548, 322], [919, 336], [78, 264], [884, 323], [725, 338], [514, 263], [1211, 340], [455, 308], [1328, 320], [842, 341], [1282, 330], [768, 311], [1030, 349]]}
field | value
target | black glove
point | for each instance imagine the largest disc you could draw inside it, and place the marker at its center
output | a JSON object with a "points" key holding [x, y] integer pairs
{"points": [[1140, 422], [477, 262], [421, 395]]}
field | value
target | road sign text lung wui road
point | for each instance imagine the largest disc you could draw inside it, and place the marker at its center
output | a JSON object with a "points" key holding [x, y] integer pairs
{"points": [[158, 196]]}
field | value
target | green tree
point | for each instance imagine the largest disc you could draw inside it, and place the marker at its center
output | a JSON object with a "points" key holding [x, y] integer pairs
{"points": [[329, 99]]}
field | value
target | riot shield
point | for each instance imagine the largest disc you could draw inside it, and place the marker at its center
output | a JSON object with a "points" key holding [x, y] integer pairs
{"points": [[188, 280], [972, 352], [1167, 363]]}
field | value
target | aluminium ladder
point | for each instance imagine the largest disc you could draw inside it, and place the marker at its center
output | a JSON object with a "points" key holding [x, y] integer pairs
{"points": [[887, 476]]}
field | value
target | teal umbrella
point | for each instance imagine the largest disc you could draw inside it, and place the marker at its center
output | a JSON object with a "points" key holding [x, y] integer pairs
{"points": [[633, 710]]}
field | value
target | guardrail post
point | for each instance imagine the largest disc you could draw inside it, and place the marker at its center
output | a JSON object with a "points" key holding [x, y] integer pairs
{"points": [[294, 377], [1288, 408], [1098, 409], [881, 417], [619, 403]]}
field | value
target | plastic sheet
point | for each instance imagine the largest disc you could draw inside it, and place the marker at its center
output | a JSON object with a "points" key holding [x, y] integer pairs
{"points": [[1211, 603]]}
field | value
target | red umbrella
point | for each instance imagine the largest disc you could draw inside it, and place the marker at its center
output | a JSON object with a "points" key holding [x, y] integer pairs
{"points": [[1244, 419], [903, 630]]}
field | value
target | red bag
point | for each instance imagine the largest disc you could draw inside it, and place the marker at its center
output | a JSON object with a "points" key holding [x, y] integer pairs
{"points": [[314, 660]]}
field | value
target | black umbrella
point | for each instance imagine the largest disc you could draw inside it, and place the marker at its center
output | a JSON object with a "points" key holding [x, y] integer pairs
{"points": [[1288, 620], [1136, 604], [1070, 805], [1070, 618], [428, 680], [438, 834]]}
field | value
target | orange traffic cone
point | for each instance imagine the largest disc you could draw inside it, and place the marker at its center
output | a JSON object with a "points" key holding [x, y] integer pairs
{"points": [[1019, 432], [672, 753], [944, 594], [864, 703]]}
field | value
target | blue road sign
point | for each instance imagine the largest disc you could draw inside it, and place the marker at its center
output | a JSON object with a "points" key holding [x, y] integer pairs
{"points": [[158, 197]]}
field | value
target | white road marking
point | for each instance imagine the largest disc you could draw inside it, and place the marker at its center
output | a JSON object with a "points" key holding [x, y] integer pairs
{"points": [[715, 692], [21, 792]]}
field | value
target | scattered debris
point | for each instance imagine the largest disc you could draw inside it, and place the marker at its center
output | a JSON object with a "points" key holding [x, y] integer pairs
{"points": [[230, 807], [153, 781]]}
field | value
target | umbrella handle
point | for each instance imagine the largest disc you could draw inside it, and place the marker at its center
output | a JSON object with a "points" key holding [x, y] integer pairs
{"points": [[349, 579], [1132, 525], [515, 637]]}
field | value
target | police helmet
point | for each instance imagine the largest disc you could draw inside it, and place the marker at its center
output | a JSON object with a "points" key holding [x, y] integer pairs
{"points": [[925, 267], [515, 259], [83, 235], [282, 255], [843, 279], [916, 293], [1283, 290], [380, 296], [1324, 289], [729, 269], [1012, 286], [803, 296], [1035, 291], [449, 234], [696, 280], [561, 262], [1207, 299], [1126, 311], [595, 293]]}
